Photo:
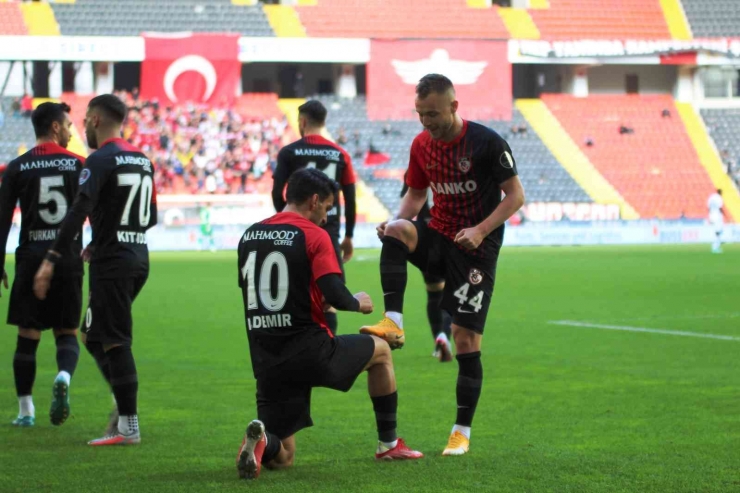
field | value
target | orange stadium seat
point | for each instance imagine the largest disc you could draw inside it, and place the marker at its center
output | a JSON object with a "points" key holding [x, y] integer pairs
{"points": [[656, 168], [11, 20], [400, 19], [601, 19]]}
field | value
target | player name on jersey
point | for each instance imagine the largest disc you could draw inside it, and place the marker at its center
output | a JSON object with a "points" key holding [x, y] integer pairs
{"points": [[132, 237], [42, 234], [64, 164], [269, 321]]}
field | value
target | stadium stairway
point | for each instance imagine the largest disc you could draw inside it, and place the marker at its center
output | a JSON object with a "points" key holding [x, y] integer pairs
{"points": [[519, 23], [655, 166], [709, 158], [284, 21], [675, 17], [567, 152], [39, 18]]}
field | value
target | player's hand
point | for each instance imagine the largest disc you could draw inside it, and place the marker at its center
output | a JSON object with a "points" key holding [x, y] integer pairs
{"points": [[42, 280], [5, 281], [381, 229], [347, 249], [469, 238], [366, 304], [86, 254]]}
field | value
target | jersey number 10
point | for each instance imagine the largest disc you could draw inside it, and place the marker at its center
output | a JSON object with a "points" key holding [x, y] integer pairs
{"points": [[275, 262]]}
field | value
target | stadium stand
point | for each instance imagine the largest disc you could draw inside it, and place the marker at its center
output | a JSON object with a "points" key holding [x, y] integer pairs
{"points": [[601, 19], [724, 127], [543, 177], [713, 18], [16, 132], [132, 17], [11, 20], [646, 156], [400, 19]]}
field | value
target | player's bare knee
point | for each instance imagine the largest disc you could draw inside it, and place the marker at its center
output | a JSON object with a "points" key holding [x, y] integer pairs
{"points": [[435, 287], [30, 334], [403, 230], [466, 340], [381, 355]]}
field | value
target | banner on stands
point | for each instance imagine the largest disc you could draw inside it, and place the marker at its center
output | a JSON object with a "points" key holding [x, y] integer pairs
{"points": [[201, 68], [570, 211], [480, 71], [588, 48]]}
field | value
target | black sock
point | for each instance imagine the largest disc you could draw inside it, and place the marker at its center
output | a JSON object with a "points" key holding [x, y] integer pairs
{"points": [[331, 321], [101, 359], [393, 275], [123, 378], [68, 352], [469, 383], [385, 408], [434, 312], [272, 448], [24, 365], [447, 324]]}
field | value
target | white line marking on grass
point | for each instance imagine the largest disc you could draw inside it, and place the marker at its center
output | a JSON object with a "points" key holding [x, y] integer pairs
{"points": [[681, 317], [573, 323]]}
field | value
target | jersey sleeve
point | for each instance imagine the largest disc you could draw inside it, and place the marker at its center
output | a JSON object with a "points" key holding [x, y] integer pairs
{"points": [[280, 178], [320, 252], [348, 174], [502, 160], [415, 176], [93, 178], [8, 199]]}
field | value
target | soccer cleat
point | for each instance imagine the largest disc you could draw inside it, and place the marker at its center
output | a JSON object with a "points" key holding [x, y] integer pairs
{"points": [[458, 444], [24, 421], [112, 428], [117, 439], [388, 330], [249, 458], [442, 350], [399, 452], [59, 411]]}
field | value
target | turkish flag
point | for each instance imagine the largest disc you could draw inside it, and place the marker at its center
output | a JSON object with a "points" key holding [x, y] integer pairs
{"points": [[201, 68], [479, 70]]}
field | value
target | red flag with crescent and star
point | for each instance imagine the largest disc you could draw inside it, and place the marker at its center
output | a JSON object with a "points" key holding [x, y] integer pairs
{"points": [[200, 68]]}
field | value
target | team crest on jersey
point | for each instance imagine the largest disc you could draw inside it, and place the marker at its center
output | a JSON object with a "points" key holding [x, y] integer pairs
{"points": [[84, 175], [464, 164], [475, 277], [506, 160]]}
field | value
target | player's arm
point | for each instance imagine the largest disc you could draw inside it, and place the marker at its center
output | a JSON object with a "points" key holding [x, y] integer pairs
{"points": [[337, 295], [8, 200], [280, 178], [153, 208], [349, 192], [418, 183]]}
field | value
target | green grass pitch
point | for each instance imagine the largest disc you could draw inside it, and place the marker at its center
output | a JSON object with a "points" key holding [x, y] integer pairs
{"points": [[564, 409]]}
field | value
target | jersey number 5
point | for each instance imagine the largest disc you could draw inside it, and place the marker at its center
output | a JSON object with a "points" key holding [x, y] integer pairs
{"points": [[274, 259], [49, 196], [135, 181]]}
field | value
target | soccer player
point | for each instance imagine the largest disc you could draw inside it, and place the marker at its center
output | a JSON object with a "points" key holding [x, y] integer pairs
{"points": [[314, 151], [467, 166], [117, 192], [287, 266], [206, 228], [439, 320], [715, 204], [45, 180]]}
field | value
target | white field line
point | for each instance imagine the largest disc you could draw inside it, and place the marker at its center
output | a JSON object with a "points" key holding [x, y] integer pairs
{"points": [[682, 317], [572, 323]]}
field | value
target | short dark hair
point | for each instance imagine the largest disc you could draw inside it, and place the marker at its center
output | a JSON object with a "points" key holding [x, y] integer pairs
{"points": [[307, 182], [47, 113], [112, 106], [314, 111], [433, 83]]}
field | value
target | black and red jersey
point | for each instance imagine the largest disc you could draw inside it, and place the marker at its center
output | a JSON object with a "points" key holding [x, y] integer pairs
{"points": [[314, 151], [119, 181], [465, 177], [280, 260], [44, 180]]}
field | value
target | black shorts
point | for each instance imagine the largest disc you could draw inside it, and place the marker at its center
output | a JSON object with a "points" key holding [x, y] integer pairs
{"points": [[108, 318], [60, 310], [422, 232], [284, 391], [469, 279]]}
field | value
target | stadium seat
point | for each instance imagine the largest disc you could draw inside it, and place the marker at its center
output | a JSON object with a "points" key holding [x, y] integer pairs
{"points": [[713, 18], [11, 20], [656, 168]]}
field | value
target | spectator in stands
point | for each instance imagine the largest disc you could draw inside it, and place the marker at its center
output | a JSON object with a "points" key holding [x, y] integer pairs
{"points": [[624, 129], [26, 105], [15, 107], [666, 113], [342, 137], [358, 152], [589, 141]]}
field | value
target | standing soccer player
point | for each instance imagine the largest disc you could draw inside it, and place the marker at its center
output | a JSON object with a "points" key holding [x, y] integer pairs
{"points": [[715, 204], [439, 320], [467, 166], [45, 180], [117, 192], [314, 151], [287, 267]]}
